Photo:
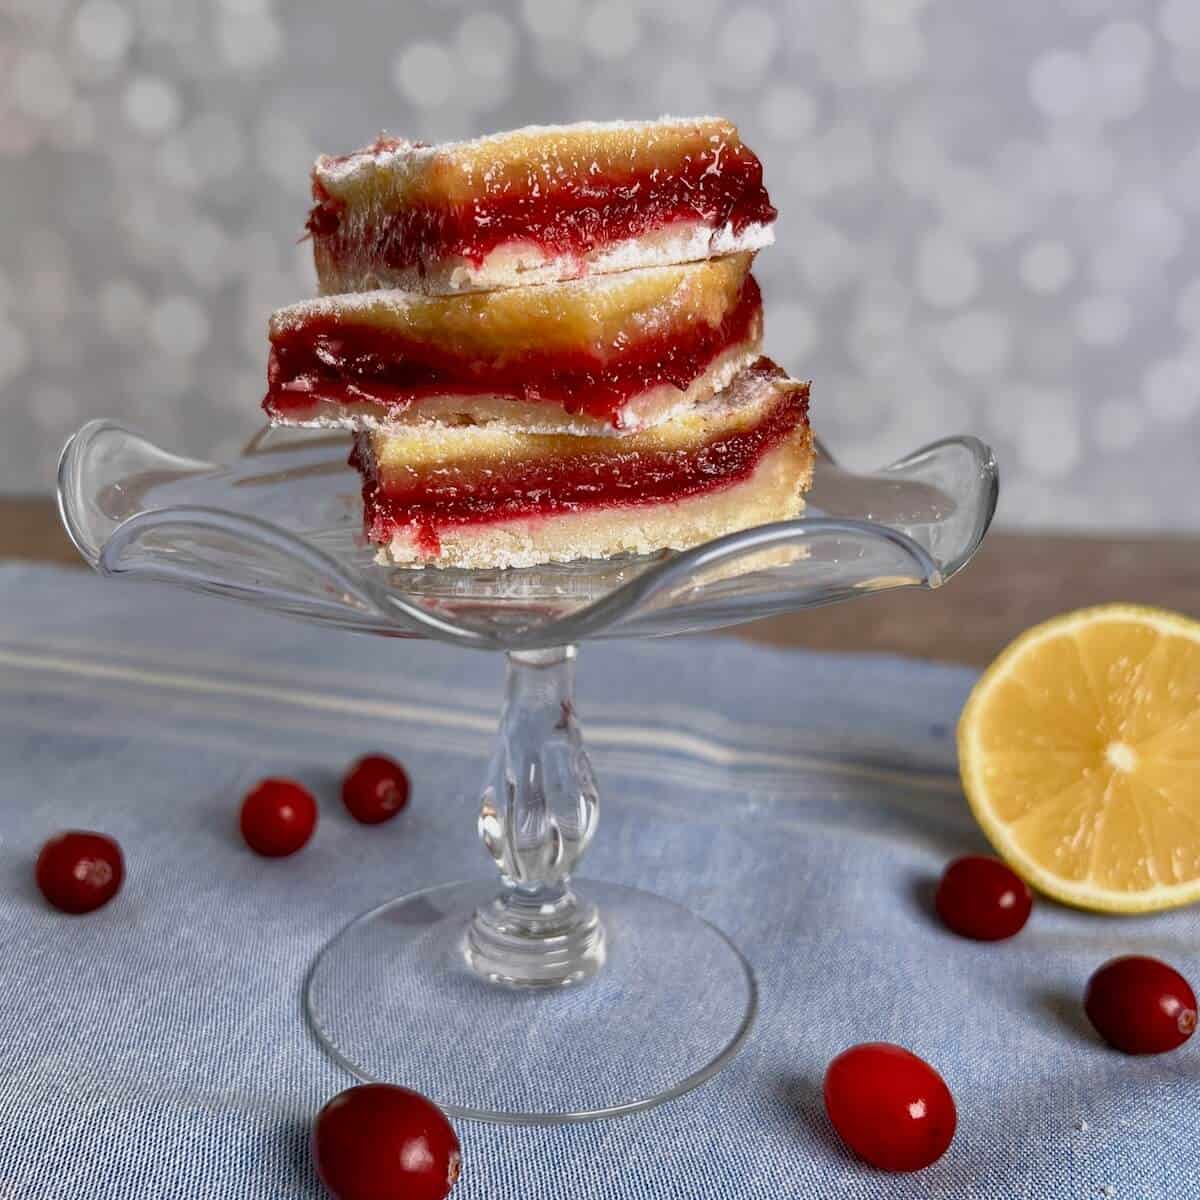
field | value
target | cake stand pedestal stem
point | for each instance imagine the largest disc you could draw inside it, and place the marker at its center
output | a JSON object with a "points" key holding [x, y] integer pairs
{"points": [[537, 815]]}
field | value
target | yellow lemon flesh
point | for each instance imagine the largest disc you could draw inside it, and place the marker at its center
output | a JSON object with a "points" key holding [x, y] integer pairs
{"points": [[1080, 756]]}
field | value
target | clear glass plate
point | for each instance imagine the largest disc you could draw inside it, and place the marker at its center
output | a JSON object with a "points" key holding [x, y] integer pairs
{"points": [[473, 992], [281, 527]]}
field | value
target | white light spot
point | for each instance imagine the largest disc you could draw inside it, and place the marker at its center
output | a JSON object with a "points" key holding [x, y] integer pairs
{"points": [[103, 30], [1121, 54], [486, 45], [179, 326], [122, 309], [1121, 756], [39, 86], [1048, 439], [151, 105], [1103, 320], [14, 351], [1117, 425], [247, 43], [1149, 223], [552, 18], [1123, 42], [416, 1156], [745, 45], [976, 343], [1059, 83], [1171, 390], [424, 74], [1046, 267], [890, 54], [283, 148], [611, 29], [947, 275], [1179, 22], [787, 113]]}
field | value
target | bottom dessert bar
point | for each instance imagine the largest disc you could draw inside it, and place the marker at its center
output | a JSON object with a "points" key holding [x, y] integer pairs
{"points": [[479, 497]]}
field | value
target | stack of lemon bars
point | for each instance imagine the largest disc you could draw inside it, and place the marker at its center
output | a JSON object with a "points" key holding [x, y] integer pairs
{"points": [[547, 343]]}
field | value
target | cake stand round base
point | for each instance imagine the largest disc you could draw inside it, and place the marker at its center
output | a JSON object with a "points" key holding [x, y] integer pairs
{"points": [[393, 999]]}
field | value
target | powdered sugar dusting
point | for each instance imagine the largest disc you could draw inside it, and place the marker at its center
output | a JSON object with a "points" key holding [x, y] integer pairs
{"points": [[406, 157]]}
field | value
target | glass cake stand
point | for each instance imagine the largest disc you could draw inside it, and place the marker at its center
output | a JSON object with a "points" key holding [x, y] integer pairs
{"points": [[471, 992]]}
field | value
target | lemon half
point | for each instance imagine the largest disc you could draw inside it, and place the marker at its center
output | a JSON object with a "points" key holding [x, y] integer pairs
{"points": [[1080, 756]]}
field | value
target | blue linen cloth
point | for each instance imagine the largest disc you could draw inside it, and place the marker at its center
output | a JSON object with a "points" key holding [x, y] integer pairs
{"points": [[804, 803]]}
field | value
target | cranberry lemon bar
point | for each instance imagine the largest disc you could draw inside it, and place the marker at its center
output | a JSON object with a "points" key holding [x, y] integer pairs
{"points": [[536, 205], [547, 343], [480, 496], [617, 352]]}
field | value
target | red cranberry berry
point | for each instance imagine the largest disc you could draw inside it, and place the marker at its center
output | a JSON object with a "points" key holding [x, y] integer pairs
{"points": [[890, 1107], [278, 817], [381, 1142], [1140, 1005], [78, 871], [375, 789], [982, 898]]}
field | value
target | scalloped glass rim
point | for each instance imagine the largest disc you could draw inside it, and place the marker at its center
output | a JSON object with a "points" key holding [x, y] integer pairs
{"points": [[280, 527]]}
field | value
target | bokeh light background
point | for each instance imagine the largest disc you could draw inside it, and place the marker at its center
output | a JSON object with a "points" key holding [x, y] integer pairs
{"points": [[986, 210]]}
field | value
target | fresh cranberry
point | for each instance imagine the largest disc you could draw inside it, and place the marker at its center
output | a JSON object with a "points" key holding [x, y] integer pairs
{"points": [[78, 871], [278, 817], [982, 898], [381, 1142], [375, 789], [890, 1107], [1140, 1005]]}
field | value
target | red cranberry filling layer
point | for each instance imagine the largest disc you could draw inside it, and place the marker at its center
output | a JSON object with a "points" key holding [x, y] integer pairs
{"points": [[344, 364], [548, 487], [717, 187]]}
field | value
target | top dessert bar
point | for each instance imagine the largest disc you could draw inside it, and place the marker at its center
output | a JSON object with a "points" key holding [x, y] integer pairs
{"points": [[537, 205], [612, 353]]}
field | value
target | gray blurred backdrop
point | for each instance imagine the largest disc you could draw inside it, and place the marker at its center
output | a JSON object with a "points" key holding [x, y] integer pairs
{"points": [[986, 210]]}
